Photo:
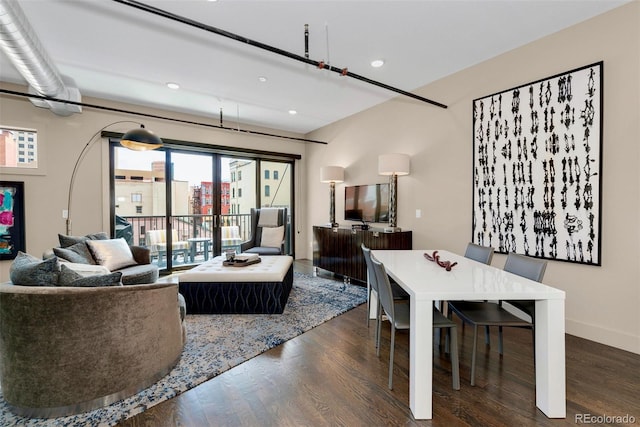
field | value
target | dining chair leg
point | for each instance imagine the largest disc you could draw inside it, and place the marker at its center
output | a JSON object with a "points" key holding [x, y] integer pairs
{"points": [[500, 340], [378, 327], [391, 351], [368, 304], [455, 363], [447, 342], [473, 355]]}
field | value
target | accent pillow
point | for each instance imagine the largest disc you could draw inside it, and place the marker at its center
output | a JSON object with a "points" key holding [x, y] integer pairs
{"points": [[68, 277], [272, 237], [27, 270], [86, 269], [66, 241], [78, 253], [113, 253]]}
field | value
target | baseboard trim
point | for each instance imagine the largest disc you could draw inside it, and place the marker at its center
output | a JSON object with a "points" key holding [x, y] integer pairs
{"points": [[605, 336]]}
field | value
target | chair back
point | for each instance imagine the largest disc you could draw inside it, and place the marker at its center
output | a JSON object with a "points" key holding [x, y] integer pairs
{"points": [[266, 217], [371, 274], [479, 253], [384, 288], [531, 268]]}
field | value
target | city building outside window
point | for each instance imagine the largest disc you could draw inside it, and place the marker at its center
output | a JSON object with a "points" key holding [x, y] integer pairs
{"points": [[14, 151]]}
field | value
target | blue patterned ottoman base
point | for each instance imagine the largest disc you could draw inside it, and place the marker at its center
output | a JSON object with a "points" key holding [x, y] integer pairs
{"points": [[237, 297]]}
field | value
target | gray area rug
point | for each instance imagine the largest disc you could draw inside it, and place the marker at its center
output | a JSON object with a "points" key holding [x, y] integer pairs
{"points": [[216, 343]]}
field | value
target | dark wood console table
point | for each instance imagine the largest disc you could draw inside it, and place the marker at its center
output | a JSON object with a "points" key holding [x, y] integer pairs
{"points": [[339, 249]]}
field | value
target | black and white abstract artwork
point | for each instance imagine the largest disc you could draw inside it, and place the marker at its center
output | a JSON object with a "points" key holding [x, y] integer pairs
{"points": [[537, 168]]}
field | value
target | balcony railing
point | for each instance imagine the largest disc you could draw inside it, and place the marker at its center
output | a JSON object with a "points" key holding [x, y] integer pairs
{"points": [[134, 229]]}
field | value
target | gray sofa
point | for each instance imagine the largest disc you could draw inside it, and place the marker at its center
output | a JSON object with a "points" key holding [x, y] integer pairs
{"points": [[66, 350], [77, 250]]}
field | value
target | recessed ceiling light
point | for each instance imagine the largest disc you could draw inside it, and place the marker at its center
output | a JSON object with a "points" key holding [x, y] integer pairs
{"points": [[377, 63], [262, 79], [293, 112], [172, 85]]}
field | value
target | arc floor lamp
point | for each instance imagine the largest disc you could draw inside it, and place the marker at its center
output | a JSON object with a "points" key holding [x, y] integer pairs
{"points": [[137, 139]]}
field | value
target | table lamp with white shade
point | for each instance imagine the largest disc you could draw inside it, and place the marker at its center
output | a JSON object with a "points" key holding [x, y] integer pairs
{"points": [[393, 165], [332, 175]]}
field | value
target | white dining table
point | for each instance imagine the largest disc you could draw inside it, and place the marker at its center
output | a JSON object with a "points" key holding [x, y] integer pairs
{"points": [[427, 282]]}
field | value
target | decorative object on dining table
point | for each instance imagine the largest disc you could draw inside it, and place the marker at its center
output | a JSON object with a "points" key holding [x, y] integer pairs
{"points": [[447, 265]]}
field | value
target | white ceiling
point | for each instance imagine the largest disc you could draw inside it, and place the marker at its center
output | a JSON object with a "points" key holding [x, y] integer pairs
{"points": [[114, 51]]}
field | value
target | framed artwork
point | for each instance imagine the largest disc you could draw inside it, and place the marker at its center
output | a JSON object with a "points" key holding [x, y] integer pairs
{"points": [[537, 169], [12, 231]]}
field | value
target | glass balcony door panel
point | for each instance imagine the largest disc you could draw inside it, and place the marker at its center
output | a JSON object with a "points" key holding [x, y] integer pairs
{"points": [[237, 196], [139, 196], [192, 215], [208, 199], [276, 190]]}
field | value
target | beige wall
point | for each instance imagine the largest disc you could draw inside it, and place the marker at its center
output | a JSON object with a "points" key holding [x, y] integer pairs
{"points": [[60, 141], [603, 303]]}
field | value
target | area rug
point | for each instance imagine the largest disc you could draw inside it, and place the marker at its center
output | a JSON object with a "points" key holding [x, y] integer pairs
{"points": [[216, 343]]}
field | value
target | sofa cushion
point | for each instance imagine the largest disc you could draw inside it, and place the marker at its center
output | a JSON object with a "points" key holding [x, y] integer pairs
{"points": [[140, 273], [113, 253], [28, 270], [78, 253], [69, 277], [66, 241], [272, 237]]}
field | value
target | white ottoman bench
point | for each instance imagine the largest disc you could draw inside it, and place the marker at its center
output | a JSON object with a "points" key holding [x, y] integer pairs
{"points": [[262, 288]]}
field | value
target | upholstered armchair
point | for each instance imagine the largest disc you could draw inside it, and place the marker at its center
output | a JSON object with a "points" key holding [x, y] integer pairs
{"points": [[268, 231]]}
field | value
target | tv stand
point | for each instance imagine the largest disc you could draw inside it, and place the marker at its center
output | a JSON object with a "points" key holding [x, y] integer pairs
{"points": [[339, 249]]}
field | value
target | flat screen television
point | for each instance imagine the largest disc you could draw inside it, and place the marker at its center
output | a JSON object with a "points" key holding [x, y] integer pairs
{"points": [[367, 203]]}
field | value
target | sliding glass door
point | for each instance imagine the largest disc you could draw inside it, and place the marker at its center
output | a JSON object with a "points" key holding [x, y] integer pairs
{"points": [[188, 206]]}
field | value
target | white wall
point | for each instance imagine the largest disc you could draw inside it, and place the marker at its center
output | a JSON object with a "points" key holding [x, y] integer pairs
{"points": [[602, 302]]}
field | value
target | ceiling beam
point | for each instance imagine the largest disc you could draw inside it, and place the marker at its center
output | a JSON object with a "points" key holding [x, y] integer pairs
{"points": [[155, 116], [278, 51]]}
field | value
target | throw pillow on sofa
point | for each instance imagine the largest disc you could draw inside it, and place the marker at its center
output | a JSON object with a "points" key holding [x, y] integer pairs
{"points": [[66, 241], [69, 277], [78, 253], [113, 253], [28, 270]]}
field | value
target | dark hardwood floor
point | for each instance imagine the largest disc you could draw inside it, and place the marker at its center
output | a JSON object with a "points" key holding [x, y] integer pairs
{"points": [[331, 376]]}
